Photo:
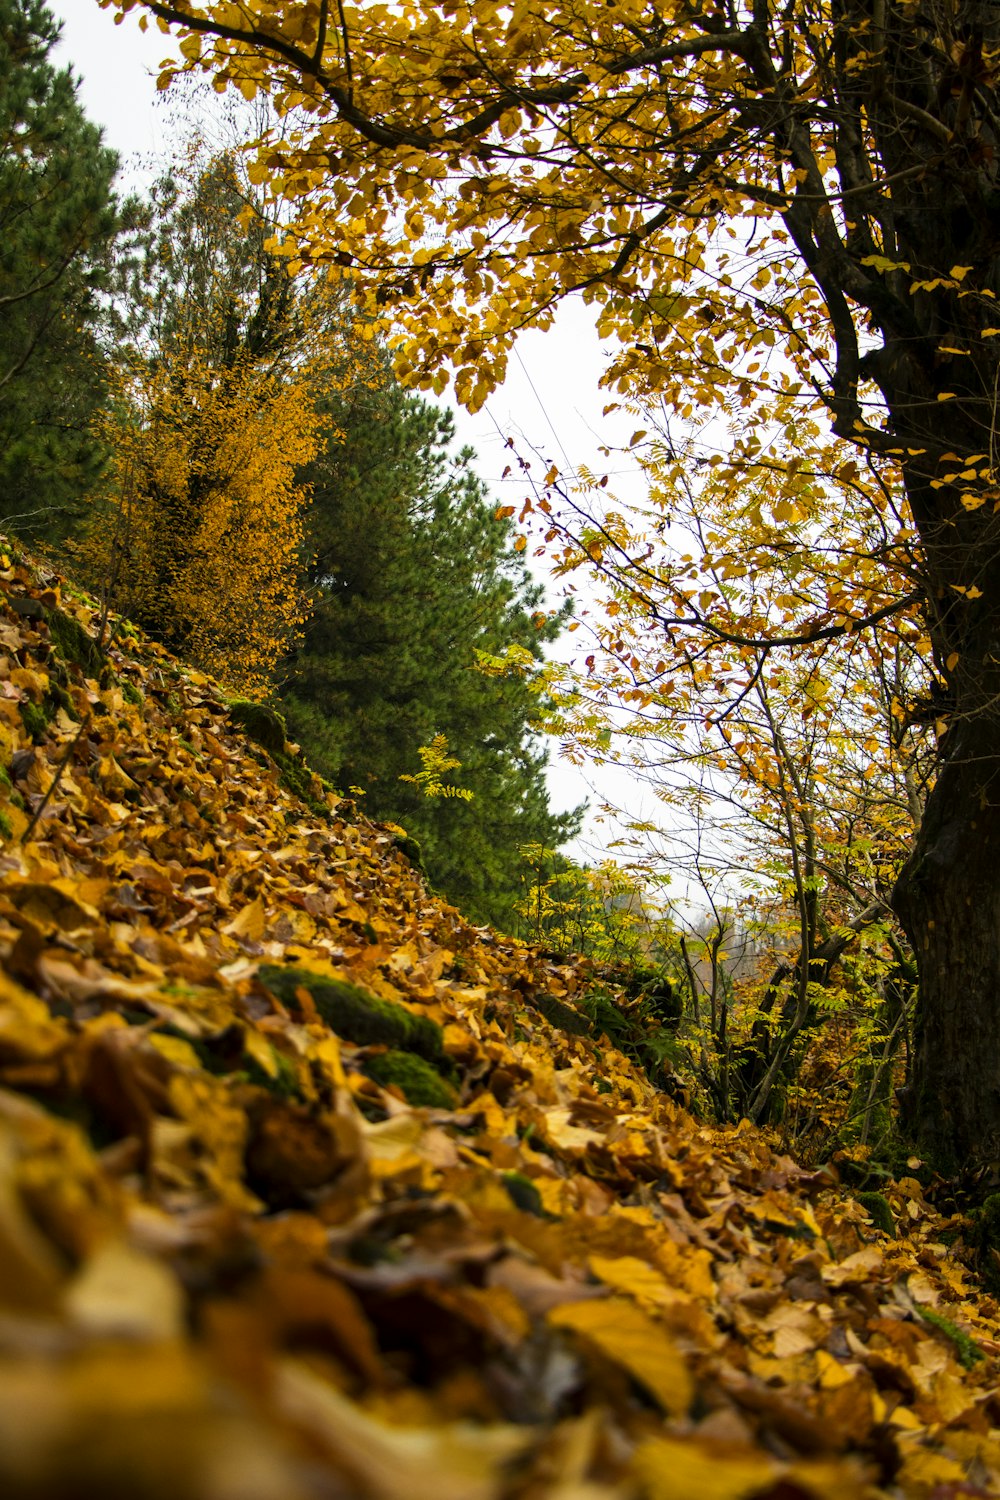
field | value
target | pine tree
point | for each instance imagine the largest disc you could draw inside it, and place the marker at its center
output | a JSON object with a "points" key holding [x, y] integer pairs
{"points": [[58, 224], [412, 574]]}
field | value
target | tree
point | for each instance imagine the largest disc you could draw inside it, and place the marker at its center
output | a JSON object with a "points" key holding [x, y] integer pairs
{"points": [[204, 542], [794, 777], [626, 152], [212, 421], [225, 360], [413, 577], [58, 224]]}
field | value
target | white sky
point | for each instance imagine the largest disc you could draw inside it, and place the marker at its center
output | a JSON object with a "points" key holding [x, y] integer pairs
{"points": [[550, 402]]}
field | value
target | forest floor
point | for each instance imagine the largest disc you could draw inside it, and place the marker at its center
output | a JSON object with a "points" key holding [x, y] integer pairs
{"points": [[237, 1264]]}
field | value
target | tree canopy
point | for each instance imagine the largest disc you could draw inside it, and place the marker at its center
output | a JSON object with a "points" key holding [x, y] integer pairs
{"points": [[725, 183]]}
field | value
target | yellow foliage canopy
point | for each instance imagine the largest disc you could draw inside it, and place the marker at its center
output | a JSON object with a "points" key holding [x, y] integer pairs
{"points": [[211, 515]]}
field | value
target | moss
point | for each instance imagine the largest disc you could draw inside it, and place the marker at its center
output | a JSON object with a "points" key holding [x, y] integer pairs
{"points": [[284, 1084], [562, 1017], [74, 644], [57, 698], [410, 849], [297, 778], [419, 1083], [131, 693], [267, 728], [264, 725], [524, 1194], [35, 720], [5, 826], [881, 1213], [985, 1240], [651, 991], [354, 1013], [967, 1350]]}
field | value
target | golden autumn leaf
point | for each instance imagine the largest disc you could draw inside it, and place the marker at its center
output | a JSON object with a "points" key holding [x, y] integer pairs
{"points": [[629, 1337]]}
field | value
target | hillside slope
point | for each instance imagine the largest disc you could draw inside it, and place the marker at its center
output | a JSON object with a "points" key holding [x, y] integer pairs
{"points": [[237, 1264]]}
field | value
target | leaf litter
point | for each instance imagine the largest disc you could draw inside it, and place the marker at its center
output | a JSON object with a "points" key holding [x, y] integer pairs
{"points": [[238, 1259]]}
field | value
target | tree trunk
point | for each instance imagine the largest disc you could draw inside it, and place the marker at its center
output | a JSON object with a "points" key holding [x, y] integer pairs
{"points": [[948, 900], [948, 893], [938, 370]]}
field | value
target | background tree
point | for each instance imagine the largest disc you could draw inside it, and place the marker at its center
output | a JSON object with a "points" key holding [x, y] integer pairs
{"points": [[213, 420], [59, 221], [637, 154], [412, 575], [794, 777]]}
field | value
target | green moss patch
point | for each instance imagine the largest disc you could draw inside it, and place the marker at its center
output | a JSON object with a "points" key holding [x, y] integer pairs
{"points": [[74, 644], [563, 1017], [35, 719], [985, 1240], [297, 778], [264, 725], [354, 1013], [284, 1083], [524, 1194], [967, 1351], [880, 1211], [267, 728], [410, 849], [417, 1081]]}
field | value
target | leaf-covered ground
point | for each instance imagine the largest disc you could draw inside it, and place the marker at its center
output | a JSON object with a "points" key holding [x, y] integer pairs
{"points": [[236, 1264]]}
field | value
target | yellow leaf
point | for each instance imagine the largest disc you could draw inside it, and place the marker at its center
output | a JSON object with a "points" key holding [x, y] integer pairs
{"points": [[673, 1470], [628, 1274], [249, 923], [952, 662], [959, 272], [176, 1050], [520, 543], [883, 263], [629, 1337]]}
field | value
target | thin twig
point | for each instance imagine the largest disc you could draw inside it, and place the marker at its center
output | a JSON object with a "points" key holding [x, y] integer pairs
{"points": [[56, 778]]}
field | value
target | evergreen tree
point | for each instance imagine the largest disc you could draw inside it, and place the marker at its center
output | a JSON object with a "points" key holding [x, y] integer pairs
{"points": [[412, 574], [58, 224]]}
